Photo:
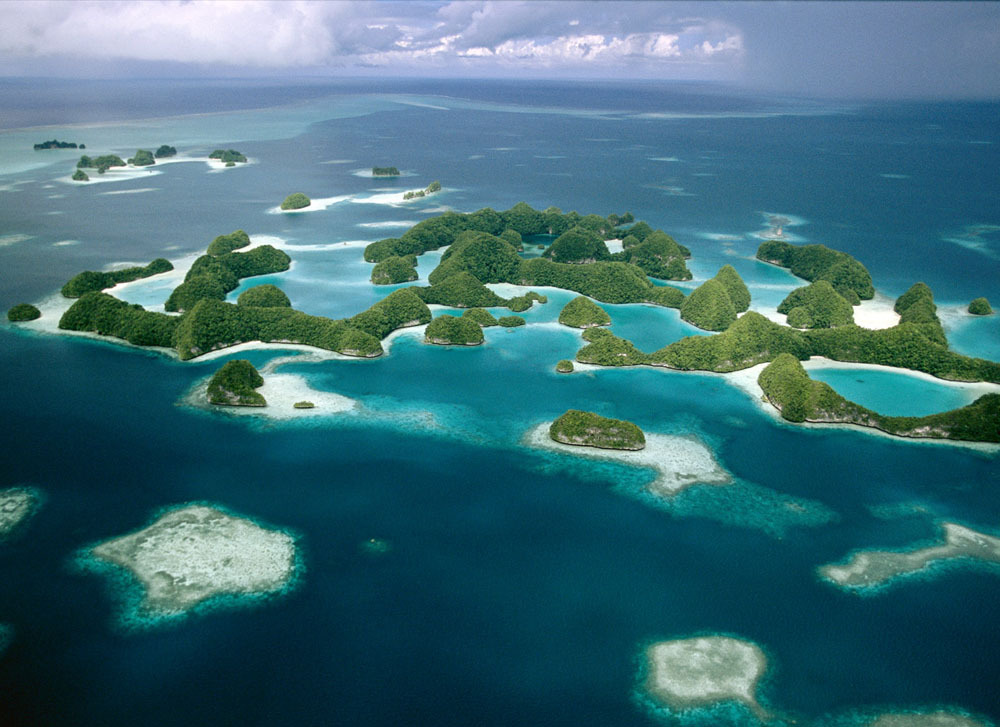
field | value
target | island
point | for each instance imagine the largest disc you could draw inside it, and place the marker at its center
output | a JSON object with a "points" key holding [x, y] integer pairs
{"points": [[510, 321], [655, 252], [234, 384], [142, 158], [714, 305], [586, 429], [564, 366], [483, 317], [385, 172], [80, 176], [236, 240], [295, 201], [23, 312], [17, 505], [705, 670], [89, 280], [213, 276], [416, 194], [303, 405], [577, 245], [817, 305], [101, 163], [818, 262], [394, 270], [229, 156], [872, 569], [980, 307], [164, 151], [449, 330], [56, 144], [264, 296], [194, 553]]}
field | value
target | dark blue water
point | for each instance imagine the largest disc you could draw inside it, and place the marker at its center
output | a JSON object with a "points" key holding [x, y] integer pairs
{"points": [[521, 586]]}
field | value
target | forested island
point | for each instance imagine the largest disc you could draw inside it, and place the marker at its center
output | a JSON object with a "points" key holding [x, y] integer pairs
{"points": [[89, 280], [23, 312], [447, 330], [229, 156], [586, 429], [295, 201], [385, 172], [416, 194], [235, 384], [101, 164], [56, 144]]}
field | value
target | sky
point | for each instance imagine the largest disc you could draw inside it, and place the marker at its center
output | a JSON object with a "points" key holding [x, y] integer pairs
{"points": [[839, 49]]}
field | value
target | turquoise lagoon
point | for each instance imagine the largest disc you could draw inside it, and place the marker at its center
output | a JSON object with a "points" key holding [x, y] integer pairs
{"points": [[518, 585]]}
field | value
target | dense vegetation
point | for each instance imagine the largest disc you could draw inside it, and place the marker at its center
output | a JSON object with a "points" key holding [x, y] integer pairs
{"points": [[816, 305], [56, 144], [980, 307], [449, 330], [581, 312], [296, 201], [104, 314], [488, 258], [101, 163], [213, 276], [430, 189], [385, 172], [790, 389], [23, 312], [227, 243], [587, 429], [709, 307], [738, 292], [227, 155], [817, 262], [89, 280], [142, 158], [564, 366], [916, 306], [395, 270], [511, 321], [521, 303], [658, 254], [164, 151], [483, 317], [234, 384], [577, 245], [608, 282], [461, 290], [80, 176], [264, 296]]}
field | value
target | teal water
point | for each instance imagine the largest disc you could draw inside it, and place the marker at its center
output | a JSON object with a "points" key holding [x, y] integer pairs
{"points": [[520, 586], [894, 394]]}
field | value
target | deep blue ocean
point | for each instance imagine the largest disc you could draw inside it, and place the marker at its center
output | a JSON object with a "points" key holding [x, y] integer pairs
{"points": [[520, 586]]}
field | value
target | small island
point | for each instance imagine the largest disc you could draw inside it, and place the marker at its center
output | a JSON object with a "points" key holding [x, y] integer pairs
{"points": [[817, 305], [586, 429], [385, 172], [510, 321], [303, 405], [564, 366], [582, 312], [164, 151], [980, 307], [714, 305], [234, 384], [101, 163], [56, 144], [395, 270], [483, 317], [194, 553], [229, 156], [80, 176], [691, 673], [818, 262], [142, 158], [295, 201], [17, 504], [449, 330], [90, 281], [264, 296], [416, 194], [870, 569], [23, 312]]}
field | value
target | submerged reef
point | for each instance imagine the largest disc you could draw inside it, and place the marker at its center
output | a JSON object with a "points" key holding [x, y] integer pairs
{"points": [[17, 504], [938, 718]]}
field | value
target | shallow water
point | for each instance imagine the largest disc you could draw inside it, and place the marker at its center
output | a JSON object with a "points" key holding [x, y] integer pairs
{"points": [[894, 394]]}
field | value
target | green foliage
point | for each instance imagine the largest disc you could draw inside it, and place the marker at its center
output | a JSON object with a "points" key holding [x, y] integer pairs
{"points": [[510, 321], [606, 349], [89, 280], [303, 405], [487, 220], [213, 276], [433, 187], [142, 158], [227, 243], [592, 430], [430, 234], [734, 285], [80, 176], [608, 282], [521, 303], [980, 307], [449, 330], [264, 296], [524, 219], [104, 314], [385, 172], [227, 155], [565, 366], [709, 307], [582, 312], [395, 270], [487, 258], [400, 309], [513, 237], [296, 201], [819, 306], [659, 255], [578, 245], [165, 151], [461, 290], [917, 306], [234, 384], [817, 262], [55, 144], [481, 316], [101, 163], [23, 312]]}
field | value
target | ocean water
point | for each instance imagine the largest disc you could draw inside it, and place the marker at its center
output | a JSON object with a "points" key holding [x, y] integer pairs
{"points": [[521, 586]]}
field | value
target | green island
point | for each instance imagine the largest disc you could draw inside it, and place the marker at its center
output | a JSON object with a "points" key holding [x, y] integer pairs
{"points": [[564, 366], [89, 280], [818, 262], [303, 405], [23, 312], [705, 670], [385, 172], [789, 388], [56, 144], [483, 317], [80, 176], [222, 244], [234, 385], [164, 151], [510, 321], [586, 429], [295, 201], [142, 158], [229, 156], [213, 276], [817, 305], [448, 330], [871, 569], [710, 306], [101, 163], [264, 296], [656, 253], [417, 193], [980, 307], [582, 312], [394, 270]]}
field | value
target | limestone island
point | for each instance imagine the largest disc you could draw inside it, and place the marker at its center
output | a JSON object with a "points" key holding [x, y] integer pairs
{"points": [[586, 429], [295, 201], [939, 718], [690, 673], [234, 384], [416, 194], [17, 504], [142, 158], [714, 305], [194, 553], [449, 330], [56, 144], [980, 307], [875, 568], [395, 270], [582, 312], [101, 163], [385, 172], [564, 366], [164, 150], [510, 321], [80, 176], [228, 156], [23, 312]]}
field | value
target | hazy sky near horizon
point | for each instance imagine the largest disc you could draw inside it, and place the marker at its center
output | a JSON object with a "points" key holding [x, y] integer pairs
{"points": [[868, 49]]}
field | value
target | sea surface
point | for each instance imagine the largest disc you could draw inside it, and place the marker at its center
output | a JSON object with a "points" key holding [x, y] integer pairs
{"points": [[520, 586]]}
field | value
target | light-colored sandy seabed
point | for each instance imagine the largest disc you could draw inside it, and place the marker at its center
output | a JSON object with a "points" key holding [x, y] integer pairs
{"points": [[16, 505], [925, 719], [875, 568], [315, 205], [975, 389], [196, 552], [678, 461], [700, 671], [874, 314]]}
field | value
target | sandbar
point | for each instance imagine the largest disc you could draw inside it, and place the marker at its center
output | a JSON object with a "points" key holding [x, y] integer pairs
{"points": [[877, 313], [315, 205], [16, 505], [678, 461], [196, 552], [695, 672], [925, 719], [875, 568]]}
